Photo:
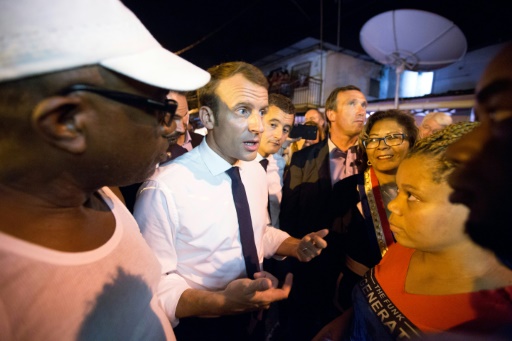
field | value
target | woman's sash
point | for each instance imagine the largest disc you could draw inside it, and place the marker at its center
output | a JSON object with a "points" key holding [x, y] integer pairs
{"points": [[396, 323], [374, 211]]}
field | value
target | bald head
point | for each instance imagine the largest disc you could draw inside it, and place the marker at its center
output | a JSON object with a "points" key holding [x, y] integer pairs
{"points": [[433, 122]]}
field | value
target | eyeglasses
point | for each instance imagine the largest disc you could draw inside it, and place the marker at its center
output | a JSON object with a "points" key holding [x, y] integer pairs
{"points": [[165, 111], [390, 140]]}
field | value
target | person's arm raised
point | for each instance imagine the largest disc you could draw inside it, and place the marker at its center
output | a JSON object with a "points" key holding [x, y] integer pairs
{"points": [[305, 249]]}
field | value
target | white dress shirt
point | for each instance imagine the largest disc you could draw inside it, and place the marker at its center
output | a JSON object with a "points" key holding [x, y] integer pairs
{"points": [[187, 215], [275, 169]]}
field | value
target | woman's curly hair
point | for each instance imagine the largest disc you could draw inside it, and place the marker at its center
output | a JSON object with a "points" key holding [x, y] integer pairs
{"points": [[435, 145]]}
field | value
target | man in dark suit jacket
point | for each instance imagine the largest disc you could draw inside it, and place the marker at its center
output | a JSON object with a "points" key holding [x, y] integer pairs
{"points": [[309, 204], [190, 138]]}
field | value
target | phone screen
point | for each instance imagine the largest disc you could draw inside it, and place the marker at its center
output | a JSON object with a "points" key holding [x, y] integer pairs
{"points": [[306, 132]]}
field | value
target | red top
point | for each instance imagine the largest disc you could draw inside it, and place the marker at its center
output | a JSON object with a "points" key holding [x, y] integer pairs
{"points": [[479, 312]]}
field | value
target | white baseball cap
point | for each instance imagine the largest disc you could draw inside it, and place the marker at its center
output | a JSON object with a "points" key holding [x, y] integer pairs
{"points": [[43, 36]]}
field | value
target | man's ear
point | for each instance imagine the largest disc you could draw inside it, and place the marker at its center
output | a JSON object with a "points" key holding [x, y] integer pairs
{"points": [[56, 119], [206, 116], [331, 115]]}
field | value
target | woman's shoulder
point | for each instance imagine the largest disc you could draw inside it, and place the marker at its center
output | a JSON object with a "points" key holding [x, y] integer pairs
{"points": [[396, 252], [394, 263]]}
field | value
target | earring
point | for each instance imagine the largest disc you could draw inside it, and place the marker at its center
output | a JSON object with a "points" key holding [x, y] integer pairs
{"points": [[368, 163]]}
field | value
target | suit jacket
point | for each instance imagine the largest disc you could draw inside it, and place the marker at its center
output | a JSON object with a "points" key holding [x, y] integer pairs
{"points": [[307, 177], [177, 150], [311, 203]]}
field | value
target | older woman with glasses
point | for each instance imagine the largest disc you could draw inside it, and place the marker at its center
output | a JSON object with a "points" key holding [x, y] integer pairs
{"points": [[363, 198]]}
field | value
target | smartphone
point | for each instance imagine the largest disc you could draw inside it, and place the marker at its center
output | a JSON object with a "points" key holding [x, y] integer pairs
{"points": [[306, 132]]}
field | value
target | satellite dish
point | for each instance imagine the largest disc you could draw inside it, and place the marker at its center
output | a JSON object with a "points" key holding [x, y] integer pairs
{"points": [[415, 40]]}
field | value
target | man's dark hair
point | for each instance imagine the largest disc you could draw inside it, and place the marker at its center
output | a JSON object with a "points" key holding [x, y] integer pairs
{"points": [[331, 102], [282, 102], [206, 94]]}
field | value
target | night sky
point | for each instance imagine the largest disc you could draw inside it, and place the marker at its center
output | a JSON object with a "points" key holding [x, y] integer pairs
{"points": [[226, 30]]}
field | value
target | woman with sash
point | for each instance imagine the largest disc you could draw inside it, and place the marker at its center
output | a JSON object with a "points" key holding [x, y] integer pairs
{"points": [[435, 279], [363, 198]]}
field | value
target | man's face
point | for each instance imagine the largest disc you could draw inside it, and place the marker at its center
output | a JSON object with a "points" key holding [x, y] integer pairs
{"points": [[236, 132], [315, 116], [350, 114], [482, 180], [180, 123], [134, 142], [428, 127], [277, 125]]}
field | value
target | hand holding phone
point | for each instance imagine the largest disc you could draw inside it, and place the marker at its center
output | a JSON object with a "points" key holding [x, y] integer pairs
{"points": [[306, 132]]}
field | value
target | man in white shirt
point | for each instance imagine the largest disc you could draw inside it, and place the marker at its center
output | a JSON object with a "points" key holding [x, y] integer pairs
{"points": [[187, 215], [277, 122]]}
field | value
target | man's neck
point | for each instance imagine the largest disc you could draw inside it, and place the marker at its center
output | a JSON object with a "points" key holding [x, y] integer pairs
{"points": [[343, 142], [263, 154], [50, 221]]}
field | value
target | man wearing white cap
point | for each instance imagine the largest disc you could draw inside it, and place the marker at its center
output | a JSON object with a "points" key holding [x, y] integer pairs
{"points": [[82, 105]]}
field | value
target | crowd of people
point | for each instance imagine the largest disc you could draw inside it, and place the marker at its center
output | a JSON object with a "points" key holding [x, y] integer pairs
{"points": [[118, 223]]}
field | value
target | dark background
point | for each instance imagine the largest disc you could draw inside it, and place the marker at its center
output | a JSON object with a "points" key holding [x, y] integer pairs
{"points": [[210, 32]]}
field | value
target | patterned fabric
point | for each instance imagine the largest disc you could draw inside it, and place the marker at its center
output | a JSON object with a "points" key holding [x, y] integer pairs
{"points": [[374, 211]]}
